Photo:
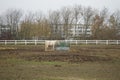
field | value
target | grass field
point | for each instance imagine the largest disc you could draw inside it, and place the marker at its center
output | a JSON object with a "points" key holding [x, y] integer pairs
{"points": [[95, 62]]}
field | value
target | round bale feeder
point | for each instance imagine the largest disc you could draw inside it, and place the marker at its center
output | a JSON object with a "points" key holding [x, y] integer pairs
{"points": [[57, 45], [62, 46]]}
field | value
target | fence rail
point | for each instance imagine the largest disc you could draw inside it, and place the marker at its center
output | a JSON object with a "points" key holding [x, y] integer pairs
{"points": [[72, 42]]}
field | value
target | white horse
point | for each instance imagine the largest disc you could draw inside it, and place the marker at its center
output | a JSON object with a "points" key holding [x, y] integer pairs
{"points": [[50, 44]]}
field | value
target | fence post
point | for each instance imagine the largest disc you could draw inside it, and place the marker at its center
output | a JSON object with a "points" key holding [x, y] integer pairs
{"points": [[35, 42], [25, 42], [15, 42], [5, 42], [96, 42], [86, 42], [107, 42], [76, 42], [70, 42], [117, 42]]}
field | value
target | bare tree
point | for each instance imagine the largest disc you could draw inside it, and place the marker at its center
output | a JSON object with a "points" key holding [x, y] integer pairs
{"points": [[35, 27], [39, 17], [114, 24], [42, 30], [55, 22], [12, 18], [26, 26], [87, 17], [58, 24], [46, 28], [77, 14], [117, 22], [104, 26], [99, 24], [67, 20]]}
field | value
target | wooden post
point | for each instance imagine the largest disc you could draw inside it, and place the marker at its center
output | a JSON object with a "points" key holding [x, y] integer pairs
{"points": [[117, 42], [25, 42], [5, 42], [96, 42], [35, 42], [107, 42], [86, 42], [76, 42], [15, 42]]}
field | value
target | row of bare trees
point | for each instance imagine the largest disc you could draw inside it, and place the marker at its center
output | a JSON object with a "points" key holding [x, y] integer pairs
{"points": [[34, 26], [104, 24], [11, 19]]}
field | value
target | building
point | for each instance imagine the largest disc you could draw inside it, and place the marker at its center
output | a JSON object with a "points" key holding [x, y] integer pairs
{"points": [[57, 31], [79, 30], [74, 31], [4, 32]]}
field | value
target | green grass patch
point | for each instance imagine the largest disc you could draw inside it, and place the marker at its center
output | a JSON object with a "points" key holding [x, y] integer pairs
{"points": [[19, 69]]}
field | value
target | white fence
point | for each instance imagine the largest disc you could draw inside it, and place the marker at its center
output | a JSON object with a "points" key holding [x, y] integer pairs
{"points": [[72, 42]]}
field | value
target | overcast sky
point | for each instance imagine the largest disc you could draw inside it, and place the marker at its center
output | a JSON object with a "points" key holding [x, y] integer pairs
{"points": [[46, 5]]}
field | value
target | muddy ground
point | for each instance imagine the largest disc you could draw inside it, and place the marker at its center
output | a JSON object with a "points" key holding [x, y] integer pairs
{"points": [[76, 54]]}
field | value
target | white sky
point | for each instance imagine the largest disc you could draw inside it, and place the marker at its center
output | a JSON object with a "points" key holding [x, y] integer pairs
{"points": [[46, 5]]}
